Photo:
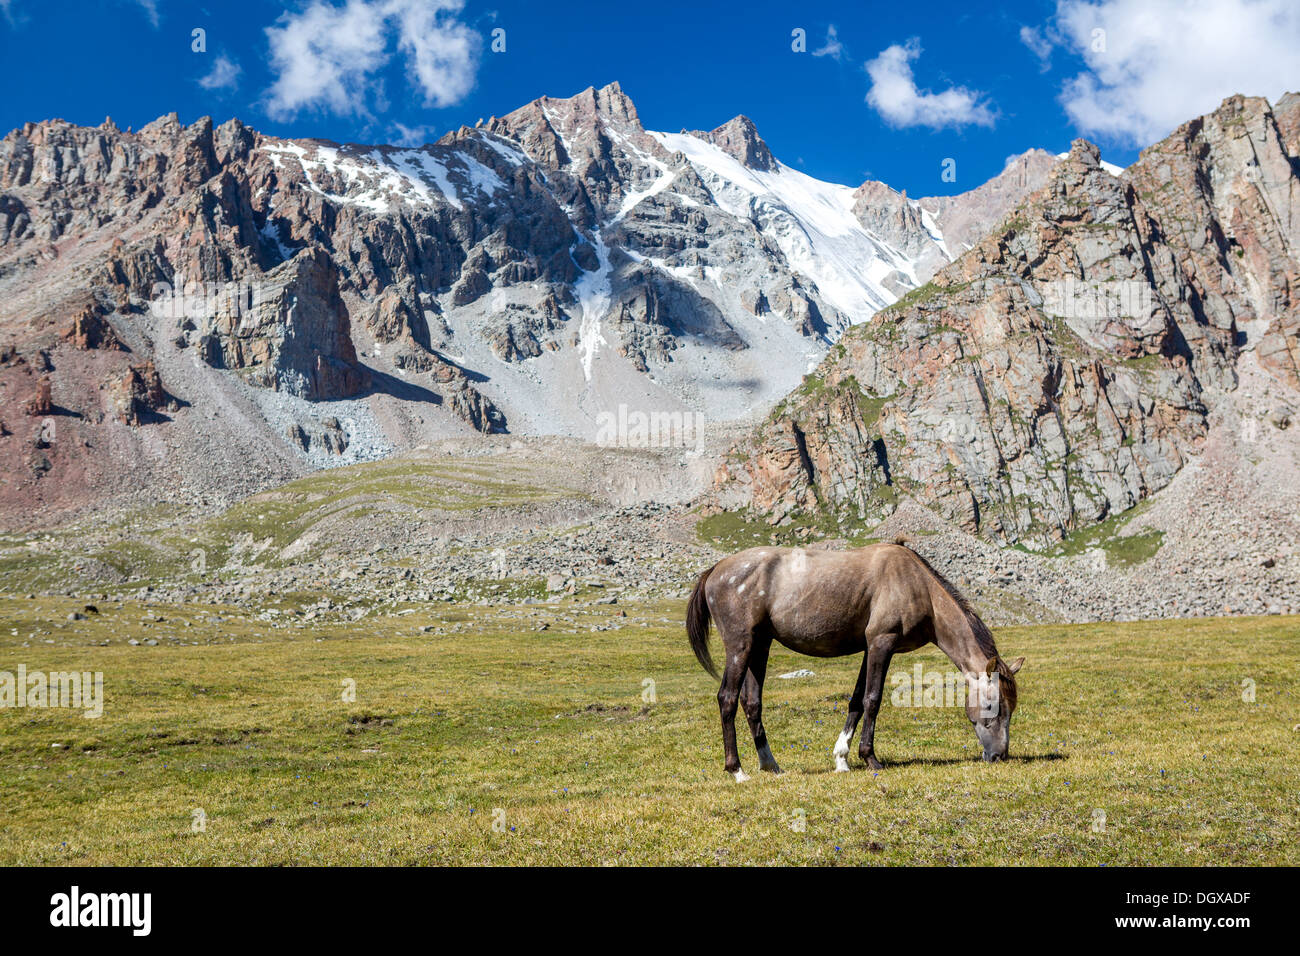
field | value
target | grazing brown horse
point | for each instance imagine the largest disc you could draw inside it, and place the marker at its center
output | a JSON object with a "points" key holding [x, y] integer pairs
{"points": [[885, 599]]}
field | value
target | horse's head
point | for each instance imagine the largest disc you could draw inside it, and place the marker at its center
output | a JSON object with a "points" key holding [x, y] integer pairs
{"points": [[990, 705]]}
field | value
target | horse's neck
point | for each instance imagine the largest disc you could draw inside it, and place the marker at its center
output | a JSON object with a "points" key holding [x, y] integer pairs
{"points": [[956, 637]]}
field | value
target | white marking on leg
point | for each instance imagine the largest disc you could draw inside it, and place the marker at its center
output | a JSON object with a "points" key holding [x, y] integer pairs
{"points": [[841, 752], [741, 776]]}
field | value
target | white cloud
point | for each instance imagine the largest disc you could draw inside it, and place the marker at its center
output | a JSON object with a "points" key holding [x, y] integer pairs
{"points": [[832, 48], [326, 56], [1158, 63], [895, 97], [150, 8], [403, 135], [224, 75], [1039, 44], [442, 53]]}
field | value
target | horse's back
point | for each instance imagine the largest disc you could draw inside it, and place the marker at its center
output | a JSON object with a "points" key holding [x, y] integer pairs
{"points": [[816, 601]]}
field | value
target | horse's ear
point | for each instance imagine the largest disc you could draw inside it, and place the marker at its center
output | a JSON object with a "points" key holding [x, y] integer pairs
{"points": [[992, 667], [1015, 665]]}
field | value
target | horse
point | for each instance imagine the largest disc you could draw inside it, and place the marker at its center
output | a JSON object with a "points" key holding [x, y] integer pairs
{"points": [[884, 599]]}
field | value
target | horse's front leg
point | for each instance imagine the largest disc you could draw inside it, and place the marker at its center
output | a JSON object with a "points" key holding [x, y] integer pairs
{"points": [[751, 699], [877, 664], [841, 751]]}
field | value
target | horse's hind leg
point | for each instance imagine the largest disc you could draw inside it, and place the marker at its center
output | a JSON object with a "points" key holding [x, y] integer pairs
{"points": [[851, 722], [733, 675], [751, 698]]}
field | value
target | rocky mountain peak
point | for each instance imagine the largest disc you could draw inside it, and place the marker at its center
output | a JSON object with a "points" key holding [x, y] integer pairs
{"points": [[612, 103], [464, 285], [1023, 171], [581, 132], [1084, 152], [167, 126], [964, 219], [738, 137]]}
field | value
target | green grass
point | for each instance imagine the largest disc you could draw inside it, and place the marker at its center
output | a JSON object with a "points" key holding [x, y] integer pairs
{"points": [[1144, 722], [1123, 550], [282, 515], [921, 293], [738, 530], [156, 546]]}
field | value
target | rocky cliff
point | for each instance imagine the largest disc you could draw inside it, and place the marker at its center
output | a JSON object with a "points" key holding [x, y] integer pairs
{"points": [[1064, 367]]}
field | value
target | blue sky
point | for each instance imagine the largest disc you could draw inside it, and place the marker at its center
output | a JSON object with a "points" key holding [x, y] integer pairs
{"points": [[880, 90]]}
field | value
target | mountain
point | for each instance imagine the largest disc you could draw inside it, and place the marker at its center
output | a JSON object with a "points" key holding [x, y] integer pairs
{"points": [[196, 312], [1073, 360]]}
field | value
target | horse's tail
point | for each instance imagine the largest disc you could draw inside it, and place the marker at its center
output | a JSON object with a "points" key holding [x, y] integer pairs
{"points": [[697, 624]]}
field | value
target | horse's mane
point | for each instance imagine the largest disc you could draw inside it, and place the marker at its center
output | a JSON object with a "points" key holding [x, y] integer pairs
{"points": [[983, 636]]}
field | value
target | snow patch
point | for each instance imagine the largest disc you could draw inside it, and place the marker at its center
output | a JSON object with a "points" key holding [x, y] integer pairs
{"points": [[811, 221], [375, 180], [593, 291], [1109, 167], [507, 150]]}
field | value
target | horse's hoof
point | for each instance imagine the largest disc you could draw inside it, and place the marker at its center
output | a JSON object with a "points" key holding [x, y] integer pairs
{"points": [[874, 764], [740, 776], [841, 765], [774, 770]]}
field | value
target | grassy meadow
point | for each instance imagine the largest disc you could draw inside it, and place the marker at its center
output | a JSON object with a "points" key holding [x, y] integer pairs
{"points": [[498, 742]]}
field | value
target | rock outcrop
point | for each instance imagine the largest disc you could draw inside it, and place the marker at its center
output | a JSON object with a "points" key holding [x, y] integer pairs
{"points": [[289, 332], [139, 396], [89, 330], [42, 403]]}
